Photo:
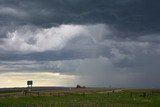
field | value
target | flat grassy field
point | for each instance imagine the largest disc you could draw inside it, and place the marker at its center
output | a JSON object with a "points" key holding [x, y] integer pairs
{"points": [[84, 98]]}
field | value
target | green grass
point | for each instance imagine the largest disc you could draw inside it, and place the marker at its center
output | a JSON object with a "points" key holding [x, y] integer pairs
{"points": [[79, 99]]}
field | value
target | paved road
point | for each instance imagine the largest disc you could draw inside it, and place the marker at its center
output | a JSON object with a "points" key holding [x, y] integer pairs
{"points": [[11, 94]]}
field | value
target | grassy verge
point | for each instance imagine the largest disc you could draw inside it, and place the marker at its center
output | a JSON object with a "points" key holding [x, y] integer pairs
{"points": [[74, 99]]}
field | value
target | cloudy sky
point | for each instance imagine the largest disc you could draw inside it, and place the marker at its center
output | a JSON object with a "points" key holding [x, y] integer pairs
{"points": [[88, 42]]}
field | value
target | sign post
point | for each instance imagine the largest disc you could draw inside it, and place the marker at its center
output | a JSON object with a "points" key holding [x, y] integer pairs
{"points": [[29, 83]]}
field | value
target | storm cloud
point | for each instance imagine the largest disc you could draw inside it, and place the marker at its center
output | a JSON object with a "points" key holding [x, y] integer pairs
{"points": [[101, 43]]}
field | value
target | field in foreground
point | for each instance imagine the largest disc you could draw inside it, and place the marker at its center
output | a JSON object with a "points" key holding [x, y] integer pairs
{"points": [[82, 98]]}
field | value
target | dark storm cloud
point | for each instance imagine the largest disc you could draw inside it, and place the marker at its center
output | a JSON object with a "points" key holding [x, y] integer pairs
{"points": [[50, 55], [130, 16]]}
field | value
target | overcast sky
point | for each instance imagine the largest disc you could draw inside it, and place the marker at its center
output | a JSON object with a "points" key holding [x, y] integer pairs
{"points": [[87, 42]]}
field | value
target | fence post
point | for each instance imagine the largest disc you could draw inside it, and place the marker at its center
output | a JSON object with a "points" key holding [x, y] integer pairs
{"points": [[38, 93], [131, 94]]}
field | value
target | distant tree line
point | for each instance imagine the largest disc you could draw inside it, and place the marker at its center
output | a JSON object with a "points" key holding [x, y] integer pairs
{"points": [[78, 86]]}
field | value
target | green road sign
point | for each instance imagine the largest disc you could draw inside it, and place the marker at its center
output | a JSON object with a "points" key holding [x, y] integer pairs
{"points": [[29, 82]]}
